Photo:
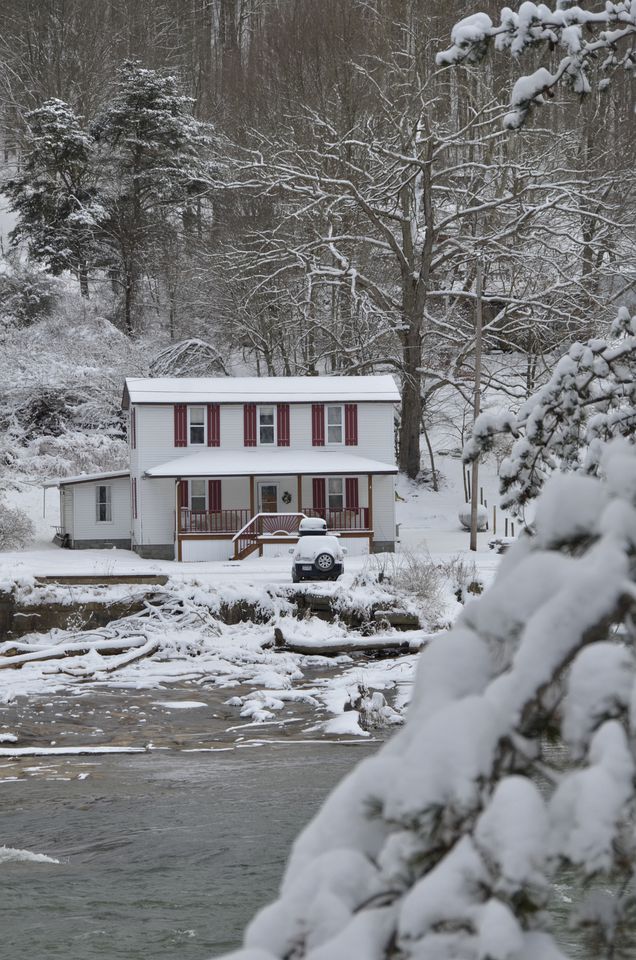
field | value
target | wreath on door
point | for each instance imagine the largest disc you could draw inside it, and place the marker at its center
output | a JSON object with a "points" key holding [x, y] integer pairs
{"points": [[286, 497]]}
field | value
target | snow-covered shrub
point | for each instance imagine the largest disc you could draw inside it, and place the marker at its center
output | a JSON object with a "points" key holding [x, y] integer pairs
{"points": [[16, 528], [413, 575], [463, 577], [448, 841]]}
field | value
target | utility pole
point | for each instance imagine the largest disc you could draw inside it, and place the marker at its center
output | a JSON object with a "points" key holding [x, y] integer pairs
{"points": [[474, 494]]}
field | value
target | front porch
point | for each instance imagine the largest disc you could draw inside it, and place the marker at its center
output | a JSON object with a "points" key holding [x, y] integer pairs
{"points": [[218, 498], [248, 534]]}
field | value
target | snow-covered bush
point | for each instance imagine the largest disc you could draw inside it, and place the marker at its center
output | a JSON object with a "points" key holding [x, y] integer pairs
{"points": [[411, 575], [16, 529], [462, 574], [447, 842]]}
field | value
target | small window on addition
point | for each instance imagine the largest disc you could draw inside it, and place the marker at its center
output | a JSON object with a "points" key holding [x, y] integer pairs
{"points": [[334, 424], [197, 496], [335, 493], [266, 425], [197, 426], [104, 504]]}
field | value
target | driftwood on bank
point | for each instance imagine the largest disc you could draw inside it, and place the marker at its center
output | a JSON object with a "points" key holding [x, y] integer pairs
{"points": [[377, 645]]}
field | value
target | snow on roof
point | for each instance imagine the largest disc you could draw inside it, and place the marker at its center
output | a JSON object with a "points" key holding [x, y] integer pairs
{"points": [[86, 478], [272, 463], [258, 389]]}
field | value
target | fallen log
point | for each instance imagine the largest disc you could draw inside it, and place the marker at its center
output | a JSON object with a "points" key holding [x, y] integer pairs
{"points": [[115, 663], [104, 647], [389, 646]]}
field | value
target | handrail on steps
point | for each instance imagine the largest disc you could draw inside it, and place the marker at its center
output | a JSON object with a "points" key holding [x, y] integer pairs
{"points": [[238, 535]]}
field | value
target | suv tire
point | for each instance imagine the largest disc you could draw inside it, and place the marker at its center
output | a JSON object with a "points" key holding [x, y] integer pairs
{"points": [[324, 562]]}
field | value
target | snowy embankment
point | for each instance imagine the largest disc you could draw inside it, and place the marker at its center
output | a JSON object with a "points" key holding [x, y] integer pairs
{"points": [[182, 636]]}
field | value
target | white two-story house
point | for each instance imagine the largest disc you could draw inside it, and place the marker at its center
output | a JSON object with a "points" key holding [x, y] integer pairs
{"points": [[224, 467]]}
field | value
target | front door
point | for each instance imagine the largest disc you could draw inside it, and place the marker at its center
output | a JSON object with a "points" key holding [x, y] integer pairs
{"points": [[268, 498]]}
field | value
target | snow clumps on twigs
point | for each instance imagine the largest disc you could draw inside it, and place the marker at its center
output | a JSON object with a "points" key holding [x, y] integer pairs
{"points": [[583, 36]]}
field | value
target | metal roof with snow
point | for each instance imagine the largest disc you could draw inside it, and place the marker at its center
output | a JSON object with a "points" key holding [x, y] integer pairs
{"points": [[259, 389], [268, 463], [86, 478]]}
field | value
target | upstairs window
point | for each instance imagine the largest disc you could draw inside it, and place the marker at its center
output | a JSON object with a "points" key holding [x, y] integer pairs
{"points": [[334, 424], [197, 426], [335, 493], [266, 426], [104, 504], [198, 503]]}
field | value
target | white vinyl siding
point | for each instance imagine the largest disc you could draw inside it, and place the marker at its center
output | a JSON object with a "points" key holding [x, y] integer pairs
{"points": [[84, 499], [384, 508]]}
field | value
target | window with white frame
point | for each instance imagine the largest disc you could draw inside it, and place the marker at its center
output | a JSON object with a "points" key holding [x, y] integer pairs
{"points": [[334, 424], [104, 504], [197, 426], [335, 493], [198, 500], [266, 425]]}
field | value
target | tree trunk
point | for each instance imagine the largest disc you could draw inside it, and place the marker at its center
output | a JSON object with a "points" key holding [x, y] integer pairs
{"points": [[83, 280], [129, 287], [411, 338]]}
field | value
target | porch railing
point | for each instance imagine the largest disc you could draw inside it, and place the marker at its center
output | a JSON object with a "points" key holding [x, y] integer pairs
{"points": [[349, 518], [206, 522], [212, 521]]}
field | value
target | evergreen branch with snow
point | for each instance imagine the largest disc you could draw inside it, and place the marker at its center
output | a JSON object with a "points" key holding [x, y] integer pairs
{"points": [[589, 398]]}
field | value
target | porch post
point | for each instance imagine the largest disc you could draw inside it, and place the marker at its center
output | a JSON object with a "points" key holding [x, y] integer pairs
{"points": [[370, 508], [299, 486], [177, 519], [252, 497]]}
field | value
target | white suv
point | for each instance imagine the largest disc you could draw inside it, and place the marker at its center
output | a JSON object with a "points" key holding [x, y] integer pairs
{"points": [[317, 555]]}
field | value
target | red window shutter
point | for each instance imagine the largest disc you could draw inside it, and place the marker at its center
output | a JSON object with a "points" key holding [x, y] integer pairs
{"points": [[282, 424], [249, 425], [134, 498], [351, 493], [320, 493], [351, 424], [214, 494], [183, 493], [180, 425], [317, 425], [214, 425], [133, 428]]}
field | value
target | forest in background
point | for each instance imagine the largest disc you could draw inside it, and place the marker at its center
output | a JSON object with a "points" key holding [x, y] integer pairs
{"points": [[288, 187]]}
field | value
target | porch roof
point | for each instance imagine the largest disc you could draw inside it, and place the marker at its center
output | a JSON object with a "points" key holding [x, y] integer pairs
{"points": [[86, 478], [268, 463]]}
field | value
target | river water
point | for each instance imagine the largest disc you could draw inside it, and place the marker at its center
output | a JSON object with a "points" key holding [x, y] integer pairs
{"points": [[162, 855]]}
